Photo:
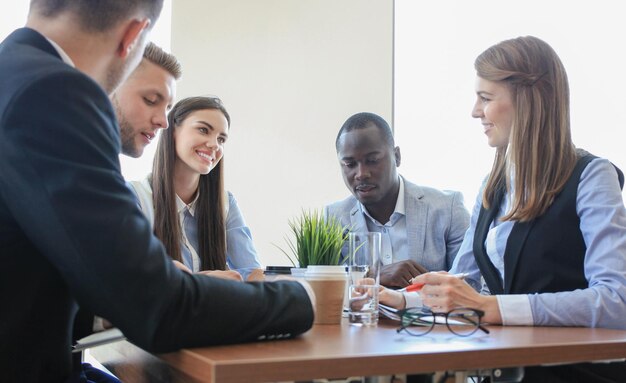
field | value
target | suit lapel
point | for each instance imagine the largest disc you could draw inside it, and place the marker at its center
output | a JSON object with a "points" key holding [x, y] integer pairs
{"points": [[487, 269], [416, 214], [357, 220], [513, 249]]}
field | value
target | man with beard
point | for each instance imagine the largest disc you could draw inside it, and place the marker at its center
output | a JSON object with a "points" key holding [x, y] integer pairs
{"points": [[142, 101]]}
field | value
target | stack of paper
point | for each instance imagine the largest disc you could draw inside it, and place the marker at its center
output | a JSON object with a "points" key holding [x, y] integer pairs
{"points": [[388, 312], [99, 338]]}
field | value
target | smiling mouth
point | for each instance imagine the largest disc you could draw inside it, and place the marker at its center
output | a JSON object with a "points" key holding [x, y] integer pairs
{"points": [[149, 136], [206, 157]]}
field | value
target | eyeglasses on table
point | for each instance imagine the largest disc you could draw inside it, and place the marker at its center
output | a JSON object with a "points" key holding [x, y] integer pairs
{"points": [[461, 321]]}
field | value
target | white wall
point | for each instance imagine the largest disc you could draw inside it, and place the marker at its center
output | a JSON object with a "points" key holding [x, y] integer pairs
{"points": [[12, 16], [290, 73], [436, 44]]}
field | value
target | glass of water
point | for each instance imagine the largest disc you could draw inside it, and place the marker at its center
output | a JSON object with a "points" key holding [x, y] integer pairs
{"points": [[363, 278]]}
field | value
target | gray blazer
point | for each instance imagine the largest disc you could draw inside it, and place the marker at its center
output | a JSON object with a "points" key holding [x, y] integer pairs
{"points": [[436, 222]]}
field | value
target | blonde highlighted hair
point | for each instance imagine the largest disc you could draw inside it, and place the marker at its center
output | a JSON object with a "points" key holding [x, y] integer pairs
{"points": [[540, 154], [167, 61]]}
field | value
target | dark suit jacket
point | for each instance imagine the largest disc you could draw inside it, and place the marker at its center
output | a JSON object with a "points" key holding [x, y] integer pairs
{"points": [[71, 232]]}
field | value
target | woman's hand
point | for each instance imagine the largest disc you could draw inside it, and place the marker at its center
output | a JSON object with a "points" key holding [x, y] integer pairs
{"points": [[443, 292], [386, 296], [256, 275], [224, 274], [391, 298], [181, 266]]}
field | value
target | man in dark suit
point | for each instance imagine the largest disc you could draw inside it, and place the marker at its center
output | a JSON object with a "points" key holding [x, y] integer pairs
{"points": [[70, 229]]}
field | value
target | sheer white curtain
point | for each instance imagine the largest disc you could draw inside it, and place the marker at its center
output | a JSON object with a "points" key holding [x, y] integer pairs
{"points": [[435, 47]]}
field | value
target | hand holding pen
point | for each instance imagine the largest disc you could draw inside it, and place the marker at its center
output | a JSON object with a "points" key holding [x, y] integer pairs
{"points": [[418, 286]]}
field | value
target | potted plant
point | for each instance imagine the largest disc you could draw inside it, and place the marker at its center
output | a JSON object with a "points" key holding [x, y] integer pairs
{"points": [[316, 246], [317, 241]]}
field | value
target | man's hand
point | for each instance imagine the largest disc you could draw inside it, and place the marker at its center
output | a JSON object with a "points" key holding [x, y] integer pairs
{"points": [[398, 275]]}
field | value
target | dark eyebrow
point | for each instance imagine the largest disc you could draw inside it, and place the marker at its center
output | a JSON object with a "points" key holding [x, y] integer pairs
{"points": [[376, 152], [211, 127], [206, 124]]}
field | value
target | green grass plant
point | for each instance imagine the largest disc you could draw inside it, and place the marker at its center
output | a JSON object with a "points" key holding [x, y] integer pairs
{"points": [[317, 241]]}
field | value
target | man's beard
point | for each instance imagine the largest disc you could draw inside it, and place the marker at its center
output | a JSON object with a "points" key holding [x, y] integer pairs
{"points": [[127, 133], [128, 140]]}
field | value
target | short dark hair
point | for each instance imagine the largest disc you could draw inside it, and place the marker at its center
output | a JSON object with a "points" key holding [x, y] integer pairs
{"points": [[167, 61], [98, 15], [364, 120]]}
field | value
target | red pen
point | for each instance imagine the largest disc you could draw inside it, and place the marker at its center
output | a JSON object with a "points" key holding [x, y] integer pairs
{"points": [[418, 286]]}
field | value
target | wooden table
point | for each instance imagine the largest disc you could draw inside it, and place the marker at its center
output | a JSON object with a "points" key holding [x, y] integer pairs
{"points": [[329, 351]]}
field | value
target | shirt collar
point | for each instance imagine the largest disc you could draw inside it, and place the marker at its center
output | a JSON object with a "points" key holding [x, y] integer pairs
{"points": [[400, 202], [400, 209], [66, 59], [181, 206]]}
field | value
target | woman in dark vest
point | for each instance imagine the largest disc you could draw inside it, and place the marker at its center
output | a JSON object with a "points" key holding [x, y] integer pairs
{"points": [[548, 231]]}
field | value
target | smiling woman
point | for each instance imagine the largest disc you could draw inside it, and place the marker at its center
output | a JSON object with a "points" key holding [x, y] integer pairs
{"points": [[199, 224], [495, 110], [200, 140]]}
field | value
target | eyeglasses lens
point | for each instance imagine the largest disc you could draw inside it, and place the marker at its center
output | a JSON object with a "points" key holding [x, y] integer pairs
{"points": [[463, 322], [417, 321]]}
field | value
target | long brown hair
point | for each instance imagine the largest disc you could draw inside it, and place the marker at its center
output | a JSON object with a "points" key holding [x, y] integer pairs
{"points": [[540, 151], [210, 206]]}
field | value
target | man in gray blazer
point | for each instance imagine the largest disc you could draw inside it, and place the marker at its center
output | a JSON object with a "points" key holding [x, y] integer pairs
{"points": [[422, 228]]}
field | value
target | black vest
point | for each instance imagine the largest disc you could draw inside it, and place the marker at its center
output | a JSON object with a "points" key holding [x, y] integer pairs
{"points": [[543, 255]]}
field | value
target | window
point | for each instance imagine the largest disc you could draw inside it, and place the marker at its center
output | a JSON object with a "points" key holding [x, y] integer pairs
{"points": [[435, 47]]}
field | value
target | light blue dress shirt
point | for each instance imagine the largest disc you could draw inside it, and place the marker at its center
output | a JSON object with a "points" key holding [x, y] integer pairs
{"points": [[394, 242], [602, 215], [241, 254]]}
